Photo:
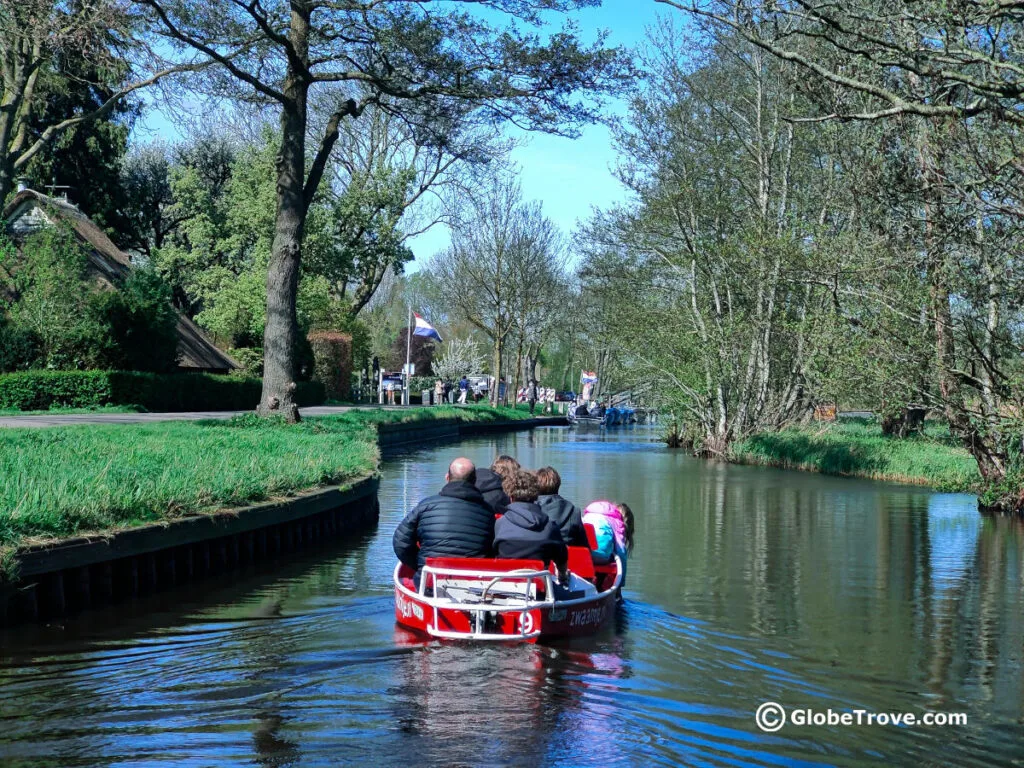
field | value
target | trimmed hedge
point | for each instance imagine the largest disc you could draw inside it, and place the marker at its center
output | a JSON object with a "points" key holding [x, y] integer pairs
{"points": [[40, 390]]}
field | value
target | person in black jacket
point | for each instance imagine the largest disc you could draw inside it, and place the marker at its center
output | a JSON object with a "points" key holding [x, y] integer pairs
{"points": [[489, 481], [457, 522], [562, 512], [524, 531]]}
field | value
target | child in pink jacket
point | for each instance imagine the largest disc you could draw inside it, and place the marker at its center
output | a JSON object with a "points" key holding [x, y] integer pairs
{"points": [[613, 527]]}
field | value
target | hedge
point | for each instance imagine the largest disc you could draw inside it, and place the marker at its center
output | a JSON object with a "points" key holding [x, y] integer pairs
{"points": [[41, 390]]}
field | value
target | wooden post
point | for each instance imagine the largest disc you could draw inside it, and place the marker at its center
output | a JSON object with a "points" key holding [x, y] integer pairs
{"points": [[55, 603], [79, 588], [103, 582]]}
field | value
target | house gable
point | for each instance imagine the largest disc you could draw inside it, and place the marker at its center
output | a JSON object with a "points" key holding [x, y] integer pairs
{"points": [[29, 212]]}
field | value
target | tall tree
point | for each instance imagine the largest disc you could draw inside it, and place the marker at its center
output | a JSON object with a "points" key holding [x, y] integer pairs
{"points": [[82, 42], [951, 73], [437, 71], [502, 249]]}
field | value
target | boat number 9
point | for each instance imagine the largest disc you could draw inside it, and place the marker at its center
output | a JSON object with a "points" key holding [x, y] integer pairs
{"points": [[526, 622]]}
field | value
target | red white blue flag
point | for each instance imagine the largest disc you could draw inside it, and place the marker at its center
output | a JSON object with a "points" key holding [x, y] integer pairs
{"points": [[588, 377], [423, 328]]}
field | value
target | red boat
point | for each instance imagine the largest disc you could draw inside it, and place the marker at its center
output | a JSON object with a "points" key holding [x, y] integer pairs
{"points": [[461, 598]]}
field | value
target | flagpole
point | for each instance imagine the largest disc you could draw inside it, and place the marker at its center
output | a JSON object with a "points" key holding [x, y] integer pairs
{"points": [[408, 356]]}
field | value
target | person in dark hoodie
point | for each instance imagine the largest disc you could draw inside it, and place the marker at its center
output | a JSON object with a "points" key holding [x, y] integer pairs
{"points": [[489, 481], [456, 522], [524, 531], [562, 512]]}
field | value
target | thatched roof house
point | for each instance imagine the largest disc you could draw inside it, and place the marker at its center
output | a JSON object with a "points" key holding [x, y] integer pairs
{"points": [[30, 211]]}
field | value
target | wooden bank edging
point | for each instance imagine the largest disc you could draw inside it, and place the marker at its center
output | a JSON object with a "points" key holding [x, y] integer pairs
{"points": [[403, 435], [84, 551], [69, 574]]}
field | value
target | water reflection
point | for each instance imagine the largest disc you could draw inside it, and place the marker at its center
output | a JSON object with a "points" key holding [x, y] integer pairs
{"points": [[748, 585]]}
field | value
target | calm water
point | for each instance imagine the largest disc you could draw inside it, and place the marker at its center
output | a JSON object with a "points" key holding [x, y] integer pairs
{"points": [[747, 585]]}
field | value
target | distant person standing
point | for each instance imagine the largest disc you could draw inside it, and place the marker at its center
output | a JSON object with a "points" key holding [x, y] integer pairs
{"points": [[531, 394], [463, 389], [438, 392], [502, 390]]}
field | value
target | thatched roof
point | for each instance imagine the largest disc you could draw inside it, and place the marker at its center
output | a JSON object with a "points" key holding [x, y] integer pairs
{"points": [[29, 210]]}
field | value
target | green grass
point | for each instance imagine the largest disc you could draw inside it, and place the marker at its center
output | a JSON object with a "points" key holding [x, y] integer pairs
{"points": [[858, 449], [63, 481], [62, 411]]}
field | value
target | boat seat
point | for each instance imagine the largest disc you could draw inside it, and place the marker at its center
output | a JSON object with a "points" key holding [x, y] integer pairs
{"points": [[485, 563], [405, 575], [604, 572], [581, 563]]}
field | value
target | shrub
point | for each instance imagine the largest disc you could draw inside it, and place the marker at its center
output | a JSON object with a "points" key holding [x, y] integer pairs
{"points": [[40, 390], [19, 348], [251, 361], [63, 317], [332, 362], [142, 322]]}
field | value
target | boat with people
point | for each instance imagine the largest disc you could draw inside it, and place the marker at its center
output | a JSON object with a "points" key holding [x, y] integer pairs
{"points": [[499, 555], [599, 416], [471, 598], [585, 421]]}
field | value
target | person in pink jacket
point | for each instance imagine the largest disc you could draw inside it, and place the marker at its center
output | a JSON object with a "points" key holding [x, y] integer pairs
{"points": [[613, 528]]}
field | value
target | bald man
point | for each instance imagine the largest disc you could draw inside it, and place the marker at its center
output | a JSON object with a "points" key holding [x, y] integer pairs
{"points": [[456, 522]]}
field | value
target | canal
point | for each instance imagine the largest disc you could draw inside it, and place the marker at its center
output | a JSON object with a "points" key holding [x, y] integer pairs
{"points": [[747, 585]]}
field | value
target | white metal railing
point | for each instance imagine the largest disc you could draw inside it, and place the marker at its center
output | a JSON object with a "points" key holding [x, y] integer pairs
{"points": [[477, 609]]}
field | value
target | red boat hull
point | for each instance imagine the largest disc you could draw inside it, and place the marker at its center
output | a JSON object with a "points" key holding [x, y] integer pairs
{"points": [[535, 619]]}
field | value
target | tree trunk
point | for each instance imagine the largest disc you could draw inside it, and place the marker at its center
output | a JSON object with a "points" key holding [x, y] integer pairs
{"points": [[982, 443], [281, 332], [498, 350], [6, 181]]}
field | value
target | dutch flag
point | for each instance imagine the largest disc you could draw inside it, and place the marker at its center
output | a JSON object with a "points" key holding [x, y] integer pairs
{"points": [[423, 328]]}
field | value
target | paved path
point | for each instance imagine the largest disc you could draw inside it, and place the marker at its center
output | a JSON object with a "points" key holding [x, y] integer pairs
{"points": [[66, 419]]}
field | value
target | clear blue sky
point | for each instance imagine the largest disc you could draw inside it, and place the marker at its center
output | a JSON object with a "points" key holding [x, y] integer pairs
{"points": [[568, 176], [571, 176]]}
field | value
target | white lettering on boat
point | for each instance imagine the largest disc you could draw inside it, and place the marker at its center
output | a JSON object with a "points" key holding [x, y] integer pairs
{"points": [[407, 607], [588, 616]]}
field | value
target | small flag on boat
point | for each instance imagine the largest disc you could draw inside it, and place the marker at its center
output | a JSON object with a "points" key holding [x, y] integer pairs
{"points": [[423, 328], [588, 377]]}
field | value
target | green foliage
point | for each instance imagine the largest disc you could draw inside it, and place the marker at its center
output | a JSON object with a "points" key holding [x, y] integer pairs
{"points": [[216, 258], [62, 317], [251, 361], [18, 346], [86, 158], [143, 324], [40, 390], [54, 300]]}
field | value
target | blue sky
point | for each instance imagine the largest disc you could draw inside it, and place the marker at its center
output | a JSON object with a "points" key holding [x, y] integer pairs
{"points": [[569, 176]]}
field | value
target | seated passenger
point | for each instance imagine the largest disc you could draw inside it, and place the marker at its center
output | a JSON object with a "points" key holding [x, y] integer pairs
{"points": [[613, 528], [489, 482], [526, 532], [561, 511], [457, 522]]}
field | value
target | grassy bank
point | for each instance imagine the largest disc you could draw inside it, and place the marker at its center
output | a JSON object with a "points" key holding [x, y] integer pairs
{"points": [[860, 450], [63, 481]]}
